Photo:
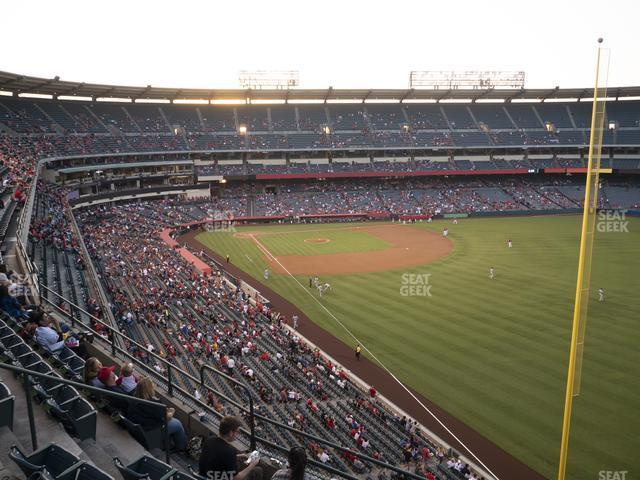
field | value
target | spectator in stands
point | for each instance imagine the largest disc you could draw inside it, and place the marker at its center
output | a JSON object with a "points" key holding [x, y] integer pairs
{"points": [[323, 456], [127, 381], [220, 458], [53, 336], [297, 465], [9, 303], [91, 368], [151, 418]]}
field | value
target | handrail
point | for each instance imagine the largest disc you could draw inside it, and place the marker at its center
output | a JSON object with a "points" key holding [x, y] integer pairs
{"points": [[24, 220], [169, 366], [93, 277], [252, 426], [90, 388]]}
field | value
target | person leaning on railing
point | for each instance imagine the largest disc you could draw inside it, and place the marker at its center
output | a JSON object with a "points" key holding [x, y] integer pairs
{"points": [[151, 417]]}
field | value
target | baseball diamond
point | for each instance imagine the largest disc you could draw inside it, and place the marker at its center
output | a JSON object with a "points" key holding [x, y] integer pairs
{"points": [[498, 340]]}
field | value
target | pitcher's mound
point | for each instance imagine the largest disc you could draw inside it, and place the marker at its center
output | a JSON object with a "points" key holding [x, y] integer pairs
{"points": [[409, 247], [316, 240]]}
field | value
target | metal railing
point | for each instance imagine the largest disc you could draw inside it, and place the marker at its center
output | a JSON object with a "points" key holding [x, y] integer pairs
{"points": [[252, 426], [171, 387], [28, 383]]}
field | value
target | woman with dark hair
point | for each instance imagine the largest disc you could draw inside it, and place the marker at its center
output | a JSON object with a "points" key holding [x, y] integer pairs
{"points": [[297, 466]]}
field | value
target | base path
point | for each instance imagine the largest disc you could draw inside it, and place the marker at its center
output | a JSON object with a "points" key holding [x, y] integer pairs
{"points": [[409, 247], [503, 464]]}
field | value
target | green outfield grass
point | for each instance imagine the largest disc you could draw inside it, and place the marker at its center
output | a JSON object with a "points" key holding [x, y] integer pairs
{"points": [[494, 353]]}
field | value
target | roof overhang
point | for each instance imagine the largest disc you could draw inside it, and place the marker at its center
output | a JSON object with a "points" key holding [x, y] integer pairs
{"points": [[17, 84]]}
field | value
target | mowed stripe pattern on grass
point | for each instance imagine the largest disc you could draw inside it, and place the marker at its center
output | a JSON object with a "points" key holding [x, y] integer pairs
{"points": [[494, 352], [339, 241]]}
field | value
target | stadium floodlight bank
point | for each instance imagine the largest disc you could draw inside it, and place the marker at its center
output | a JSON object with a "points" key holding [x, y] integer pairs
{"points": [[259, 79], [468, 79]]}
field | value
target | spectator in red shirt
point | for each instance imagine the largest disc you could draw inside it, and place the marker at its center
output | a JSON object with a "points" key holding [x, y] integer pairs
{"points": [[373, 392]]}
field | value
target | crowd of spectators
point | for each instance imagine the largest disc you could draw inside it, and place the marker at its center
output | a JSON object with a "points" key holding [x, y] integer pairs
{"points": [[190, 319]]}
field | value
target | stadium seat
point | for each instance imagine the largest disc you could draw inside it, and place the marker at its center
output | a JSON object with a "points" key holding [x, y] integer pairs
{"points": [[52, 458], [145, 467]]}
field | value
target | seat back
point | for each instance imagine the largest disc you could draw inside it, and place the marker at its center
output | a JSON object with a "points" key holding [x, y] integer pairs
{"points": [[84, 418], [19, 459], [29, 359], [11, 340], [6, 331], [153, 468], [64, 354], [51, 386], [65, 394], [195, 474], [7, 403], [136, 431], [20, 349], [75, 365], [85, 471], [183, 476], [127, 473], [54, 459]]}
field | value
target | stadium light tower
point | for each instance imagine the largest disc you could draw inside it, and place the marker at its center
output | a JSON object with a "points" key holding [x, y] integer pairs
{"points": [[468, 79], [277, 79]]}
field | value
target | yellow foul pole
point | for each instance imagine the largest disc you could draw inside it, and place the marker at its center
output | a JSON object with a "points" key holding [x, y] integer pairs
{"points": [[584, 263]]}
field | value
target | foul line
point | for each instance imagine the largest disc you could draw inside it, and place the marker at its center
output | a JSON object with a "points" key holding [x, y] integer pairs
{"points": [[268, 253]]}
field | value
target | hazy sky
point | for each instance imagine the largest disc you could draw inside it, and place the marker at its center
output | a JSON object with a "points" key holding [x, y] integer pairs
{"points": [[344, 44]]}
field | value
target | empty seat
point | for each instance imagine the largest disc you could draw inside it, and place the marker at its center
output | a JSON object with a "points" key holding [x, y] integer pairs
{"points": [[183, 476], [11, 340], [29, 359], [148, 439], [145, 467], [63, 355], [6, 331], [20, 349], [78, 416], [65, 394], [7, 402], [52, 458], [74, 366], [51, 385], [86, 471]]}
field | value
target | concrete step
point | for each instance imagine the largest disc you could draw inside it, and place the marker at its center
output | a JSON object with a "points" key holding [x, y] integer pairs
{"points": [[48, 429], [102, 456], [8, 469]]}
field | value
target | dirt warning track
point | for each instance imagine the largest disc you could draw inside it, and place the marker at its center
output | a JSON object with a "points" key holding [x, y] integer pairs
{"points": [[502, 463]]}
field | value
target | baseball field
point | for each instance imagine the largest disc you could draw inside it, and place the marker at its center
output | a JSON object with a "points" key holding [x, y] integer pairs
{"points": [[491, 352]]}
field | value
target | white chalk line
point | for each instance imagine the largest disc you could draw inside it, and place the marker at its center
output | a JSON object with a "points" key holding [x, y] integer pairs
{"points": [[433, 415]]}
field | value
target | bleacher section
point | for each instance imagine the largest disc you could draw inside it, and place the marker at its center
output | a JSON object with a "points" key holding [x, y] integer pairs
{"points": [[142, 127]]}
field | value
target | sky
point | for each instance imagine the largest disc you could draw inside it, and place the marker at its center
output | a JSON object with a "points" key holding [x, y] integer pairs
{"points": [[343, 44]]}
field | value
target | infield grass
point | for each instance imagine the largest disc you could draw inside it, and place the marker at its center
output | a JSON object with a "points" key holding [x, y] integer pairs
{"points": [[319, 241], [494, 353]]}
